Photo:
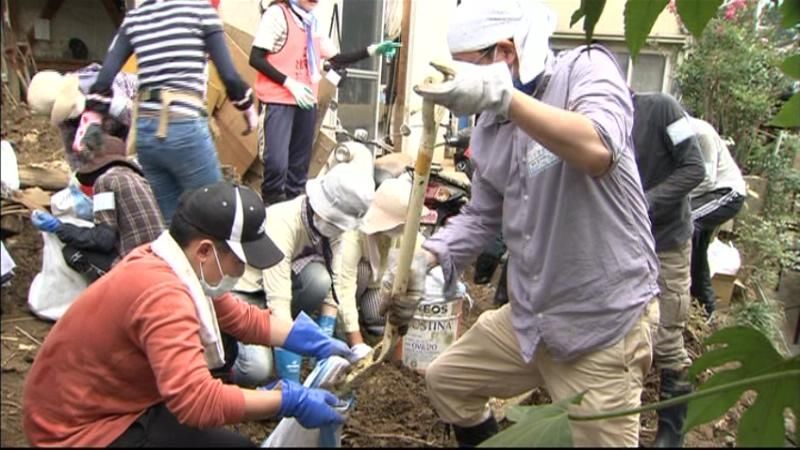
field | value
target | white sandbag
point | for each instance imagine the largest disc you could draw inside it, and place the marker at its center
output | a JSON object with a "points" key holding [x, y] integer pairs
{"points": [[723, 258], [6, 263], [9, 172], [289, 433], [57, 285]]}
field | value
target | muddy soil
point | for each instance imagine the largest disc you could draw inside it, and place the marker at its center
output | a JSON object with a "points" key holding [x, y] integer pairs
{"points": [[391, 410]]}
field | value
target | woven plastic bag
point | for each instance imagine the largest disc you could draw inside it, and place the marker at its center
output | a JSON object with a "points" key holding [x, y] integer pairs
{"points": [[289, 433]]}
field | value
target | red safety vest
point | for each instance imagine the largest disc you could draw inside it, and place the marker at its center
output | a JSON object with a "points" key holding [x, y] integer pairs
{"points": [[292, 61]]}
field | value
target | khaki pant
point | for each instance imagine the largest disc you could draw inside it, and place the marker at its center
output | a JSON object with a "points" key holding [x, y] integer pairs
{"points": [[674, 281], [486, 362]]}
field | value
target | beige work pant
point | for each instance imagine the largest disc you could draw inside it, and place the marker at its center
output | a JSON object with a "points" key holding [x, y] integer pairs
{"points": [[674, 281], [486, 362]]}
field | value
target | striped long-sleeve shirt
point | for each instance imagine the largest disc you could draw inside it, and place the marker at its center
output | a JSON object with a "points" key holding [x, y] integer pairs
{"points": [[170, 39]]}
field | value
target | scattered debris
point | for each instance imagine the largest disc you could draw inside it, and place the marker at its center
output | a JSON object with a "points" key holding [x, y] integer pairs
{"points": [[28, 335]]}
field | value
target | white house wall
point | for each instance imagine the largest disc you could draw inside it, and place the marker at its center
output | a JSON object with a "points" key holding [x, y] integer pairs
{"points": [[86, 20]]}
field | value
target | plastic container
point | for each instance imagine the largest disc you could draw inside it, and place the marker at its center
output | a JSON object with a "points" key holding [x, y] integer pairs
{"points": [[436, 323]]}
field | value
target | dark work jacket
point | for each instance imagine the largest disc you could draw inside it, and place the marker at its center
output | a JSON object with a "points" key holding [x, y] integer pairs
{"points": [[670, 165]]}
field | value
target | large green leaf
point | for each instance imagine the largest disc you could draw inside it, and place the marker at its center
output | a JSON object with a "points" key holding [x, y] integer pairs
{"points": [[790, 13], [590, 11], [791, 66], [695, 14], [789, 116], [746, 353], [537, 426], [640, 15]]}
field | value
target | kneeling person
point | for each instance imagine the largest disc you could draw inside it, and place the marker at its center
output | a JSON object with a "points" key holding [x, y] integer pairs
{"points": [[126, 214], [141, 375]]}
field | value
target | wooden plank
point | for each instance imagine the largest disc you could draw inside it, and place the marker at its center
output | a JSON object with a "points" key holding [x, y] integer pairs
{"points": [[32, 198], [399, 112], [241, 38], [233, 148], [44, 177], [113, 12], [323, 147]]}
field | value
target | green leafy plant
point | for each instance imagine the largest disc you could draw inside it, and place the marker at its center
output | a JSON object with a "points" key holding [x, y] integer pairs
{"points": [[743, 359]]}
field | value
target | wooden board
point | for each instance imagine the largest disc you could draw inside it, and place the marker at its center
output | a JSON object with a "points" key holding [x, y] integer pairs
{"points": [[323, 147], [45, 177]]}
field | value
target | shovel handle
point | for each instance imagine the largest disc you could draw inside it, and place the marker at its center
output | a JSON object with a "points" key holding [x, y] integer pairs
{"points": [[422, 172]]}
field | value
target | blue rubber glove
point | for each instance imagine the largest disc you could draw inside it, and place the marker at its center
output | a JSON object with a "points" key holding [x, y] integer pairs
{"points": [[45, 221], [311, 407], [328, 324], [306, 338]]}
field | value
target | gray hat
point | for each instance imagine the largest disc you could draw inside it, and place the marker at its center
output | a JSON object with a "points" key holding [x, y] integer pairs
{"points": [[342, 196]]}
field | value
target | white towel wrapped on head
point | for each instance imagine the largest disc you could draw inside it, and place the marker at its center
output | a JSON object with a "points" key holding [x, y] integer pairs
{"points": [[478, 24]]}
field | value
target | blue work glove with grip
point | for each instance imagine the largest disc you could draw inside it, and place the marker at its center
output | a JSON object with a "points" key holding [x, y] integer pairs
{"points": [[306, 338], [44, 221], [311, 407]]}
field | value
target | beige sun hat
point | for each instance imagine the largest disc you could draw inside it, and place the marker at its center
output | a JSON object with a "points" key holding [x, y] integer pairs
{"points": [[42, 91], [69, 102], [389, 207]]}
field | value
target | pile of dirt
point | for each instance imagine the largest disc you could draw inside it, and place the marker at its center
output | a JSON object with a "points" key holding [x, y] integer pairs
{"points": [[34, 138]]}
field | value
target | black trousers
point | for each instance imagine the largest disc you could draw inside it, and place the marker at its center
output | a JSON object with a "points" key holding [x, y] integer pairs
{"points": [[158, 427], [724, 207]]}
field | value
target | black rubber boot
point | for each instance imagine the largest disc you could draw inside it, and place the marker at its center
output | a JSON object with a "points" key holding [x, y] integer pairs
{"points": [[501, 294], [470, 437], [670, 420]]}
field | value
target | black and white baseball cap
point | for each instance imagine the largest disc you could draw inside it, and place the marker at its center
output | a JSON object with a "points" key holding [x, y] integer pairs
{"points": [[236, 215]]}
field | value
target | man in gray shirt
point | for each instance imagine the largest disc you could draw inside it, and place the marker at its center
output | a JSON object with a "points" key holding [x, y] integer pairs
{"points": [[670, 165], [555, 170]]}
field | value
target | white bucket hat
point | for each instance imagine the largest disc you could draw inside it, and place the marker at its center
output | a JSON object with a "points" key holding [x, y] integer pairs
{"points": [[389, 207], [56, 95], [342, 195]]}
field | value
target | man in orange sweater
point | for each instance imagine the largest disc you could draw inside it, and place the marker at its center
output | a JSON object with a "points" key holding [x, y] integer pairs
{"points": [[128, 363]]}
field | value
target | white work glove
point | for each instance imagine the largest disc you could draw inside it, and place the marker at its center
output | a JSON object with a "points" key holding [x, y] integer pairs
{"points": [[400, 309], [359, 352], [303, 94], [474, 89], [250, 119]]}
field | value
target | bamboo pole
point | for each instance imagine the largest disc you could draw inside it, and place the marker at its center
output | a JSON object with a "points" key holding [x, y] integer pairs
{"points": [[422, 172]]}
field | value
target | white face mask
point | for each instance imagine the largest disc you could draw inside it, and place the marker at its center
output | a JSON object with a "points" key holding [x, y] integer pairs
{"points": [[326, 228], [225, 285]]}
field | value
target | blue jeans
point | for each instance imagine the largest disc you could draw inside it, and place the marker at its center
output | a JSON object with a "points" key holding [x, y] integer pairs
{"points": [[186, 159], [254, 364]]}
